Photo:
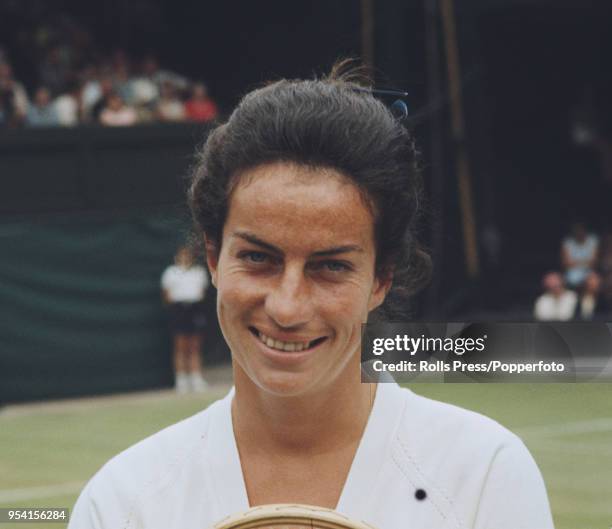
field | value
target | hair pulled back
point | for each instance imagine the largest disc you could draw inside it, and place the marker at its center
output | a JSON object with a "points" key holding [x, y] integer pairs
{"points": [[332, 122]]}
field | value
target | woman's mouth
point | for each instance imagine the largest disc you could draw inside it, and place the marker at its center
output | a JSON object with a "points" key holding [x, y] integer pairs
{"points": [[285, 346]]}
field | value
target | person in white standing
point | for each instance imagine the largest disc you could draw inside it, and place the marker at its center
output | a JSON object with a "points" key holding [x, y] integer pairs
{"points": [[184, 286]]}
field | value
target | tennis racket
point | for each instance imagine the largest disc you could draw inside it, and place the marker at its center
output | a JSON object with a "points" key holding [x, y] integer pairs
{"points": [[290, 516]]}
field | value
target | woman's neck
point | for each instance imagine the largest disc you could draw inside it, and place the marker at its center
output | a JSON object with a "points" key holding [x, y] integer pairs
{"points": [[327, 419]]}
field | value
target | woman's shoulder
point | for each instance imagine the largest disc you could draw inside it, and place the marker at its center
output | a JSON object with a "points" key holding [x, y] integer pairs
{"points": [[148, 468], [442, 440], [174, 438], [149, 459], [467, 463], [449, 426]]}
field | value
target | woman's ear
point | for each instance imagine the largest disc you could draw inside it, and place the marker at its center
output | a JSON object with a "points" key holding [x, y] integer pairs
{"points": [[380, 289], [212, 258]]}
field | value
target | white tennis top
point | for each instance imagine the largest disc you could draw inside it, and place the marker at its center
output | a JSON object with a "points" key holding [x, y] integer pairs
{"points": [[186, 285], [474, 473]]}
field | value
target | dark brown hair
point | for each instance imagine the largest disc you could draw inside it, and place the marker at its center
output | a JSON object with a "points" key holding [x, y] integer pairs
{"points": [[331, 122]]}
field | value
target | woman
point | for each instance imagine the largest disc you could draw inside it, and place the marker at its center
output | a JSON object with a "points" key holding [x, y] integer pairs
{"points": [[184, 285], [307, 199]]}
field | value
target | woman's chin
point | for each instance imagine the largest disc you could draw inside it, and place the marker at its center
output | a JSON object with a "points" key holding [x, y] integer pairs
{"points": [[283, 384]]}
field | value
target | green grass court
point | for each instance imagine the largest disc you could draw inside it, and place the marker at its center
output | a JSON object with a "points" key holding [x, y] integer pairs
{"points": [[47, 452]]}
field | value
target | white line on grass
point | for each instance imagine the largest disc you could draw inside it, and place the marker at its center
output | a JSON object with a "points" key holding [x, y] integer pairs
{"points": [[216, 391], [597, 506], [37, 493], [568, 428], [597, 450]]}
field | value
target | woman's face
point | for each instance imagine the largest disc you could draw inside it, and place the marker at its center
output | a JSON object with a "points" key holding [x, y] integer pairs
{"points": [[295, 277]]}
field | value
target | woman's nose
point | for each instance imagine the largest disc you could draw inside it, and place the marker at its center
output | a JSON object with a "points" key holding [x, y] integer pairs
{"points": [[289, 302]]}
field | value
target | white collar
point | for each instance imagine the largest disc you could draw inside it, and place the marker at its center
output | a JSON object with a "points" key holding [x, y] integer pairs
{"points": [[355, 499]]}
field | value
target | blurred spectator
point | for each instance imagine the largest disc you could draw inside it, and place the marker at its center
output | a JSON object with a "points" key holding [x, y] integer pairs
{"points": [[588, 300], [144, 99], [42, 113], [104, 92], [67, 105], [200, 107], [606, 270], [13, 97], [579, 254], [169, 106], [7, 108], [91, 90], [557, 303], [121, 82], [55, 69], [116, 113], [65, 60], [144, 92], [152, 71]]}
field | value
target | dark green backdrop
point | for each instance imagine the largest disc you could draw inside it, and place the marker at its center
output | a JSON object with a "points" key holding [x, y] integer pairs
{"points": [[80, 304], [88, 222]]}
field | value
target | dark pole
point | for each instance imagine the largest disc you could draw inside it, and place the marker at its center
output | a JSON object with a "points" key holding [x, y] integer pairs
{"points": [[468, 217], [367, 33], [436, 162]]}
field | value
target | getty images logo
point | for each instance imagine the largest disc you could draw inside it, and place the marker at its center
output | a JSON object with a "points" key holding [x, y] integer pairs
{"points": [[422, 344]]}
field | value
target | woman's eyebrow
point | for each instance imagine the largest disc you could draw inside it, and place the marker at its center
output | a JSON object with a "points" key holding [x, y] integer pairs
{"points": [[253, 239], [338, 250]]}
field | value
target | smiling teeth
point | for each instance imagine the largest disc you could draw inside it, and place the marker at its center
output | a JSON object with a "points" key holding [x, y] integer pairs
{"points": [[289, 347]]}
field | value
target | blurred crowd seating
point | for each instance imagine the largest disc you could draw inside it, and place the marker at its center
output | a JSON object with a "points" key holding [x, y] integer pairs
{"points": [[76, 83], [582, 289]]}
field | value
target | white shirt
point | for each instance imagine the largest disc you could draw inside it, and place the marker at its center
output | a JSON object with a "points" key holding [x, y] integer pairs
{"points": [[124, 117], [553, 308], [581, 252], [67, 110], [184, 285], [476, 474]]}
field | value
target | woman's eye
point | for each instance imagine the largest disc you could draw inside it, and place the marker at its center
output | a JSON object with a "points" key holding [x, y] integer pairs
{"points": [[254, 257], [332, 266]]}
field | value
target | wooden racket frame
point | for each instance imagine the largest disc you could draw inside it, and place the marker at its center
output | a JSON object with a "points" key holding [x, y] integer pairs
{"points": [[286, 514]]}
